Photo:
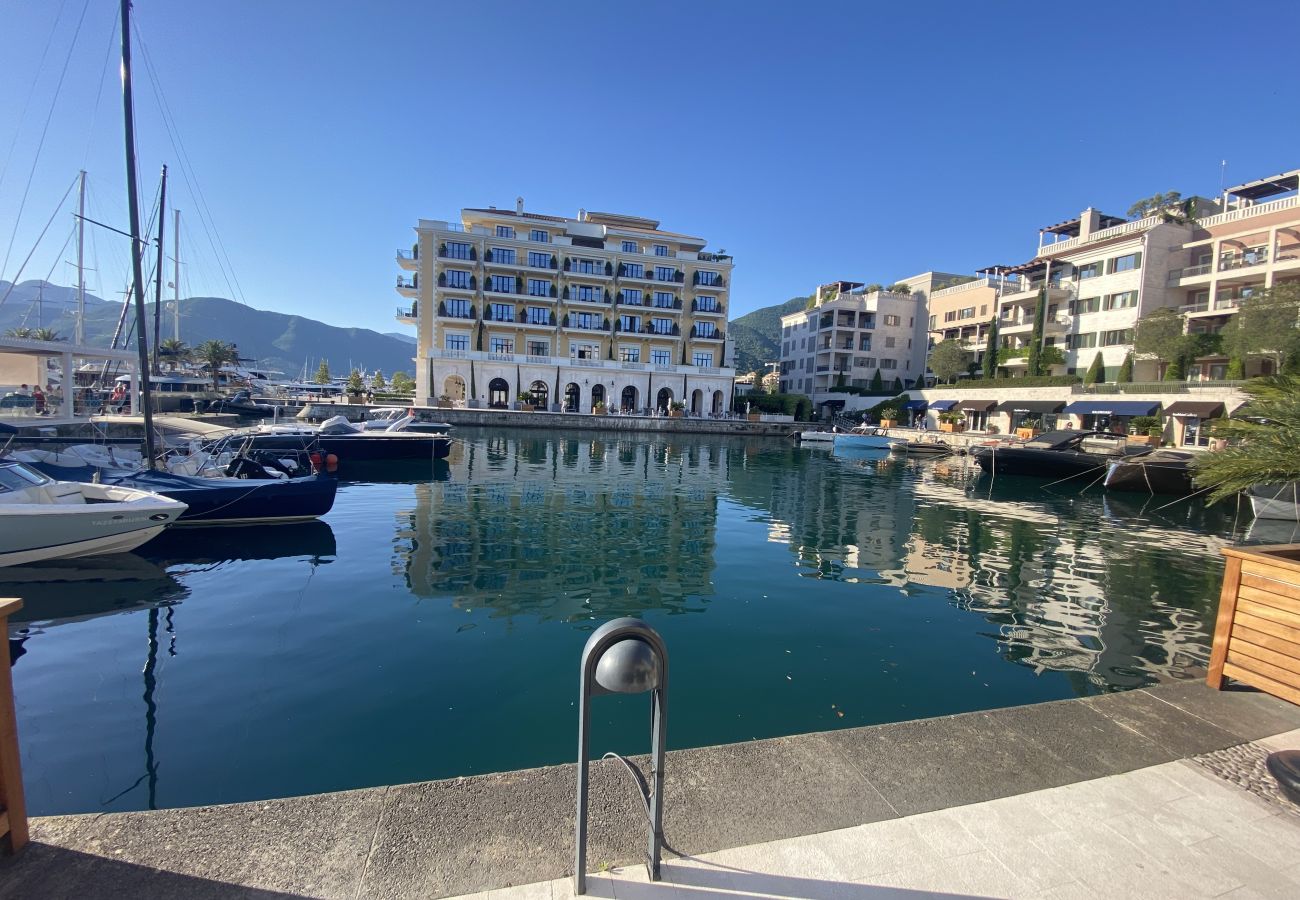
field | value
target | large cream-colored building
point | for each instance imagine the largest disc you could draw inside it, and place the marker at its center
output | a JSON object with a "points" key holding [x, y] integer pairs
{"points": [[600, 308]]}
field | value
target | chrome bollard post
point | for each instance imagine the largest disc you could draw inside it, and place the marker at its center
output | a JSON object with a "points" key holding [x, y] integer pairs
{"points": [[623, 656]]}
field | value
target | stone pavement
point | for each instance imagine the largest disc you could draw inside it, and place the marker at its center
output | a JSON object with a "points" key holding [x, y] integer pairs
{"points": [[1176, 830], [458, 836]]}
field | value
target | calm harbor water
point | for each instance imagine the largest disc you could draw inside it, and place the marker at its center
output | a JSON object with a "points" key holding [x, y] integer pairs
{"points": [[431, 625]]}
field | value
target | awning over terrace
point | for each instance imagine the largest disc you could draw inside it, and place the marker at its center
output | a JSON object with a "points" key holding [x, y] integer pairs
{"points": [[1039, 407], [1113, 408], [981, 406], [1196, 409]]}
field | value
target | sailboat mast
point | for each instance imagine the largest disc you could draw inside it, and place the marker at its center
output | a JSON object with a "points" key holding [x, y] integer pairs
{"points": [[133, 204], [81, 264], [158, 269], [176, 277]]}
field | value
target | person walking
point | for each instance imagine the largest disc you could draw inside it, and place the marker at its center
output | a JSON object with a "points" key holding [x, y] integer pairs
{"points": [[118, 397]]}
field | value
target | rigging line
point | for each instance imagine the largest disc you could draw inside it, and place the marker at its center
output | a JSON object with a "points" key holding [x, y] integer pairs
{"points": [[40, 68], [99, 93], [13, 284], [187, 168], [58, 89]]}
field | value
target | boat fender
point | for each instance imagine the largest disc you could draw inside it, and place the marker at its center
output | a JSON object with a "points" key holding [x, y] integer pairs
{"points": [[331, 463]]}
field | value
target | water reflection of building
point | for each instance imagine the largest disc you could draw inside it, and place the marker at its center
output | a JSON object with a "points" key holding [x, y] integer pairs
{"points": [[568, 528]]}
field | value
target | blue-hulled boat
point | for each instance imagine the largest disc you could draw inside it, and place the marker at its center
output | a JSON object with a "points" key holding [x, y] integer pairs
{"points": [[232, 501]]}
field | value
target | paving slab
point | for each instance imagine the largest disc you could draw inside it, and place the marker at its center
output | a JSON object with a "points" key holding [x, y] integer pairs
{"points": [[1178, 732]]}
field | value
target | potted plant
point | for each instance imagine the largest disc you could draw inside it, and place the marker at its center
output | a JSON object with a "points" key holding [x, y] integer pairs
{"points": [[1145, 430], [1029, 428], [676, 409], [444, 401], [889, 417], [952, 421], [526, 401], [598, 409]]}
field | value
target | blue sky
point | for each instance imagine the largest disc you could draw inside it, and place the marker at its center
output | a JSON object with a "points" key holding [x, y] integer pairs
{"points": [[812, 141]]}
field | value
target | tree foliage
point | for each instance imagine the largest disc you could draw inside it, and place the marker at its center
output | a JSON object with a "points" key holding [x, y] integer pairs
{"points": [[877, 383], [1261, 449], [214, 354], [1156, 203], [991, 350], [174, 352], [1266, 325], [948, 360], [1096, 371], [1125, 375], [378, 383], [323, 373], [1035, 360], [402, 383], [356, 384]]}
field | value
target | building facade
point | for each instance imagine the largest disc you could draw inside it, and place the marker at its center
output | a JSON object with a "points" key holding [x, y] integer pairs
{"points": [[572, 312], [850, 333]]}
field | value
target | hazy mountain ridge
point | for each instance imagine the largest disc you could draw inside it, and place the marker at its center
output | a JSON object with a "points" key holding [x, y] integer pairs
{"points": [[275, 340], [758, 334]]}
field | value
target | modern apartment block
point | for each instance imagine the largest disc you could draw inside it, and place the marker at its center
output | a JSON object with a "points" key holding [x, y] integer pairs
{"points": [[964, 312], [601, 308], [849, 333]]}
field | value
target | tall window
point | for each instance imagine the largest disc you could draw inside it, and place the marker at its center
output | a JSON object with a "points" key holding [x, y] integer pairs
{"points": [[539, 315], [661, 326], [705, 329], [584, 320], [629, 354], [539, 259], [502, 284], [889, 364], [587, 266], [1082, 341], [542, 237], [456, 341], [503, 255], [1126, 300], [539, 348], [584, 350], [501, 345], [456, 278], [633, 270], [891, 320], [707, 277], [502, 312], [1126, 263], [1114, 338], [457, 250], [631, 247], [629, 323], [665, 273], [1087, 305], [631, 296], [457, 309], [864, 342], [661, 357], [663, 300], [661, 249], [1090, 270], [539, 287], [706, 304], [505, 231], [703, 359], [889, 342], [587, 292]]}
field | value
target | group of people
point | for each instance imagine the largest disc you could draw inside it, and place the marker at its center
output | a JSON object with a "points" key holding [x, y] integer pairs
{"points": [[45, 400]]}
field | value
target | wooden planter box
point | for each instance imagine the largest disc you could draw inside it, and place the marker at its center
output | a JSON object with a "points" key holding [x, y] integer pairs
{"points": [[676, 413], [754, 417], [1027, 434], [1257, 632], [1142, 439], [888, 423], [952, 427]]}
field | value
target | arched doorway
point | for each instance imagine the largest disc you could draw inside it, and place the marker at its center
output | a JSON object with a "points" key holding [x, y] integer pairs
{"points": [[454, 387], [498, 393], [597, 395], [628, 399], [572, 397], [541, 394], [664, 400], [697, 401], [717, 403]]}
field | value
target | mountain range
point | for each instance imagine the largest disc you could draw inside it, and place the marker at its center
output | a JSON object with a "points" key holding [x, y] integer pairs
{"points": [[289, 344], [292, 344]]}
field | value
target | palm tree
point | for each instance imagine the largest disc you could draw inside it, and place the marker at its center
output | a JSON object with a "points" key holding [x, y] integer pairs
{"points": [[215, 354], [1262, 448], [174, 352], [45, 334], [18, 332]]}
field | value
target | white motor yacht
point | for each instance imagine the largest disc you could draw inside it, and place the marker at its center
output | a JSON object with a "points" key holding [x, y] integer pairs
{"points": [[41, 518]]}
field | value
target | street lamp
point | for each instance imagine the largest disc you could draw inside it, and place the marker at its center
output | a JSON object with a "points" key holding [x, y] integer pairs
{"points": [[623, 656]]}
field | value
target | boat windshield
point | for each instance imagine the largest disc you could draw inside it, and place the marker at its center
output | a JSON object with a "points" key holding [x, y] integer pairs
{"points": [[15, 476]]}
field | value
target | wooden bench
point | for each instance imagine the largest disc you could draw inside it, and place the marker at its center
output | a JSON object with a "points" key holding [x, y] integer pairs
{"points": [[1257, 632]]}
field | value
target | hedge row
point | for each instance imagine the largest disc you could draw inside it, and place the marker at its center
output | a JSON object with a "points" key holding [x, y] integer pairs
{"points": [[972, 384]]}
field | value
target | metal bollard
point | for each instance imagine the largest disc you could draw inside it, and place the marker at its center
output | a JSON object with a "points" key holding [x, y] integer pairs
{"points": [[623, 656]]}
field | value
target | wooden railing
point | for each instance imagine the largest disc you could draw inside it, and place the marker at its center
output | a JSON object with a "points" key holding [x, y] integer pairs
{"points": [[13, 806]]}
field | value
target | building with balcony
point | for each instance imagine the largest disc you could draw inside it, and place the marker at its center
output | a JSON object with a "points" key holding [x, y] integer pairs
{"points": [[850, 333], [965, 311], [598, 308]]}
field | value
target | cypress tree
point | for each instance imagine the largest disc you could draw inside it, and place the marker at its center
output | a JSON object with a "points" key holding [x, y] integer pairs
{"points": [[1096, 371], [991, 350], [1036, 338], [1125, 375], [877, 383], [898, 385]]}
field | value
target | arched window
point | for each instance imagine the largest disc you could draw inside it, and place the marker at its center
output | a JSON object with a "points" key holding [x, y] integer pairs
{"points": [[628, 399], [454, 387], [572, 397], [717, 403], [541, 394], [597, 395], [498, 393], [697, 401], [664, 399]]}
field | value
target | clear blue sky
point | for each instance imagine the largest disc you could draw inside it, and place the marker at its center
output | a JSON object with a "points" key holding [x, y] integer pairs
{"points": [[813, 141]]}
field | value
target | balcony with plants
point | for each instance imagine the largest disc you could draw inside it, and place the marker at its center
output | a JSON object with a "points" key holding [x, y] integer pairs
{"points": [[705, 334], [444, 252], [702, 282], [570, 295], [409, 287], [446, 284], [573, 323], [708, 309], [511, 261], [454, 311], [409, 260], [600, 271], [408, 315], [508, 287]]}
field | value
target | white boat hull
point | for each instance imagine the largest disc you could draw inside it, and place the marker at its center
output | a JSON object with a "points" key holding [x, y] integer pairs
{"points": [[809, 437], [862, 441], [98, 546], [1281, 502]]}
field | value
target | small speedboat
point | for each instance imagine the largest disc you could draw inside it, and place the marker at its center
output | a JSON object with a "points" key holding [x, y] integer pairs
{"points": [[383, 418], [1155, 472], [863, 437], [931, 446], [816, 437], [41, 518], [1056, 454], [1275, 501], [350, 443], [242, 403], [235, 501]]}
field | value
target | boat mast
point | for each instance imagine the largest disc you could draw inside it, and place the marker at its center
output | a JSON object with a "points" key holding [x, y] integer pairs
{"points": [[133, 204], [158, 269], [176, 277], [80, 332]]}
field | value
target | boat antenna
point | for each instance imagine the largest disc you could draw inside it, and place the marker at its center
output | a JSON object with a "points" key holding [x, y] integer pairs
{"points": [[137, 247], [158, 270]]}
